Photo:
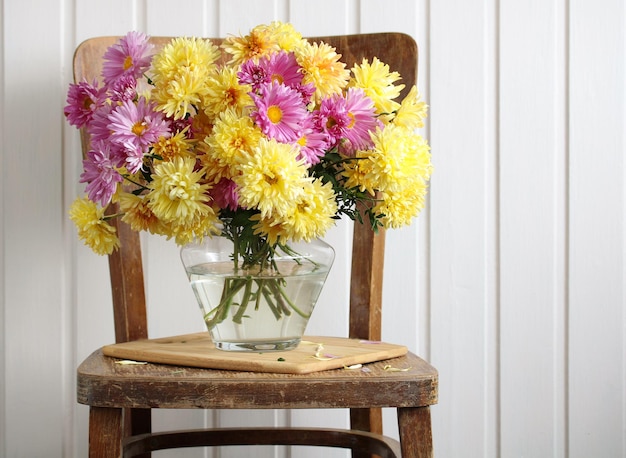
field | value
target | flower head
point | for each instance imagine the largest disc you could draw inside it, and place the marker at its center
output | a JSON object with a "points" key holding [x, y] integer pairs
{"points": [[398, 208], [273, 178], [313, 142], [225, 92], [322, 68], [138, 215], [224, 194], [260, 42], [195, 55], [135, 127], [285, 35], [254, 75], [83, 100], [412, 111], [378, 82], [130, 56], [333, 118], [124, 88], [397, 156], [93, 229], [100, 173], [279, 112], [231, 143], [180, 74], [169, 147], [363, 120], [177, 192]]}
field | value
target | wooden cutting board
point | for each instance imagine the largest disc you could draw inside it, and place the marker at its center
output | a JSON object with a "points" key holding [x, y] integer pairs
{"points": [[313, 354]]}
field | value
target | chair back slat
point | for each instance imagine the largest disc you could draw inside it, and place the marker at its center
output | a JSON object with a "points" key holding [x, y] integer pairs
{"points": [[397, 50]]}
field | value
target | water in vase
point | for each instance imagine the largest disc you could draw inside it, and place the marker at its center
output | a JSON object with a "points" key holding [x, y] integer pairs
{"points": [[259, 311]]}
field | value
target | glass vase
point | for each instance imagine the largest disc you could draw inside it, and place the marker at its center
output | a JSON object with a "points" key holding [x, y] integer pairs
{"points": [[259, 307]]}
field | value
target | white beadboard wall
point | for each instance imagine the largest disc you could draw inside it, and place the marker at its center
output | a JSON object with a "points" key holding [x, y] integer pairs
{"points": [[511, 282]]}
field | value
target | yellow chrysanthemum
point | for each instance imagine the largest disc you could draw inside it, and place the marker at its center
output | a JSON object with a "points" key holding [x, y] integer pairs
{"points": [[398, 154], [412, 111], [273, 178], [272, 228], [231, 143], [214, 169], [180, 72], [258, 43], [322, 67], [179, 96], [224, 92], [285, 35], [313, 212], [177, 193], [199, 227], [195, 54], [378, 83], [95, 232], [309, 218], [356, 172], [137, 213], [397, 209], [175, 146]]}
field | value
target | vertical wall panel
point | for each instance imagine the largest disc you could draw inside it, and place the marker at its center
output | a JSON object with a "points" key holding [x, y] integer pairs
{"points": [[3, 301], [32, 230], [164, 20], [461, 100], [596, 282], [107, 17], [239, 16], [530, 151], [341, 21]]}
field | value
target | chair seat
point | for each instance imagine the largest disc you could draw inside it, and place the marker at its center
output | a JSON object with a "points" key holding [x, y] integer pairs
{"points": [[103, 382]]}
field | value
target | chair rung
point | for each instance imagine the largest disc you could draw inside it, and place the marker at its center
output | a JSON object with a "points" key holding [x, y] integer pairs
{"points": [[359, 441]]}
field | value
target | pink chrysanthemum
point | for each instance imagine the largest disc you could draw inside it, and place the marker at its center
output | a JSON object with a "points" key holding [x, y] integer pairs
{"points": [[279, 112], [100, 174], [224, 194], [98, 127], [253, 74], [313, 143], [131, 55], [135, 127], [124, 88], [306, 91], [333, 118], [83, 100], [363, 120], [283, 68]]}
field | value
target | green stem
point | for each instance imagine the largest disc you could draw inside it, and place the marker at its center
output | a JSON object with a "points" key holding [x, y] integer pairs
{"points": [[139, 185], [281, 295], [218, 314], [244, 300], [270, 302]]}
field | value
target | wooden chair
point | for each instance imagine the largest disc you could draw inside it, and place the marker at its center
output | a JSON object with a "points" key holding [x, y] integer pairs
{"points": [[120, 403]]}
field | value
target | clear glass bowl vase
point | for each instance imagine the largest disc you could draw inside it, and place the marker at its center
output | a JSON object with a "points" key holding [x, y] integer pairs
{"points": [[259, 307]]}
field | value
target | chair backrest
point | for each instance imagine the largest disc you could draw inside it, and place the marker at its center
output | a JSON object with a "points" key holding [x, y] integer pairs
{"points": [[397, 50]]}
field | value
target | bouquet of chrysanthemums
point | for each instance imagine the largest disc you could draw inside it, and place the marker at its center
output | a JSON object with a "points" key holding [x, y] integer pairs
{"points": [[264, 139]]}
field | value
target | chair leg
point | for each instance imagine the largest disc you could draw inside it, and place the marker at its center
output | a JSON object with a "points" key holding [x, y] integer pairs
{"points": [[137, 422], [415, 430], [370, 420], [105, 432]]}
